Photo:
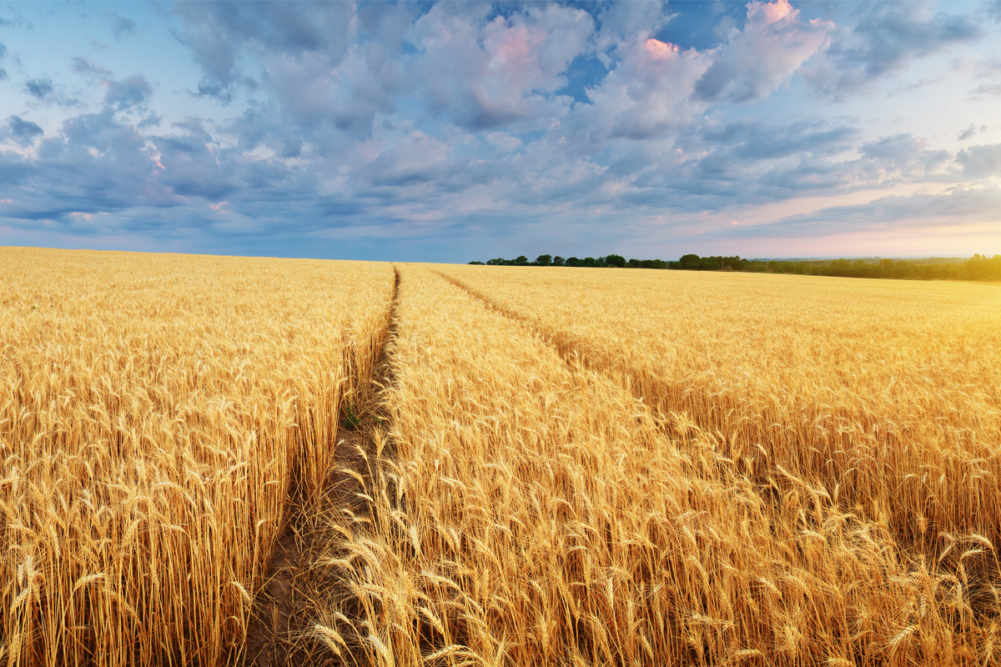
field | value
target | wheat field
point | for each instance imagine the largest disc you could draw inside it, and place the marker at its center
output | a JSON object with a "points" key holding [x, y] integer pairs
{"points": [[155, 412], [505, 466]]}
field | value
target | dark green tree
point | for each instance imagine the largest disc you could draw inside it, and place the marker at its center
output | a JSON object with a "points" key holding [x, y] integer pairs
{"points": [[690, 261]]}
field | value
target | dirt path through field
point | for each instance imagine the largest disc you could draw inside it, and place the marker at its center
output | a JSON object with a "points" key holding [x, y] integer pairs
{"points": [[279, 631]]}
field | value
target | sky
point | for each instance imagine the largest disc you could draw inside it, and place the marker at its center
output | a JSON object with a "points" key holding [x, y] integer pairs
{"points": [[450, 132]]}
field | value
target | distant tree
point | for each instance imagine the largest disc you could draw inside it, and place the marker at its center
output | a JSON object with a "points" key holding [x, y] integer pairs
{"points": [[982, 267], [690, 261], [649, 263], [475, 262], [521, 260], [557, 261], [573, 261], [589, 261], [615, 260], [840, 267], [544, 260]]}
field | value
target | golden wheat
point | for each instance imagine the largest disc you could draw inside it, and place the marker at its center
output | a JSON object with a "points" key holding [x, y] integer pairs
{"points": [[527, 509], [155, 412], [554, 466], [889, 390]]}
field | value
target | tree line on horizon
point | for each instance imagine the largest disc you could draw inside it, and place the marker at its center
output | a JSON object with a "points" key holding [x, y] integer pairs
{"points": [[978, 267]]}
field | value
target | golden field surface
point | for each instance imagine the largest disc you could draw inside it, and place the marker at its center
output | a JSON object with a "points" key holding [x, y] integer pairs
{"points": [[154, 413], [542, 466]]}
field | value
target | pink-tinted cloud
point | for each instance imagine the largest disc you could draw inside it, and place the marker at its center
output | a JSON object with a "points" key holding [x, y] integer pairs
{"points": [[775, 42], [658, 50], [647, 94], [774, 11], [489, 73]]}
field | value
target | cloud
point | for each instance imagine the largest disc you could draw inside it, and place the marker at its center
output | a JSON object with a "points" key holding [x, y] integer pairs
{"points": [[755, 61], [93, 164], [504, 141], [902, 213], [886, 39], [23, 132], [87, 67], [749, 140], [987, 70], [485, 73], [628, 22], [371, 120], [263, 124], [3, 55], [646, 95], [133, 91], [219, 33], [193, 166], [120, 26], [981, 161], [39, 88], [130, 92], [900, 156]]}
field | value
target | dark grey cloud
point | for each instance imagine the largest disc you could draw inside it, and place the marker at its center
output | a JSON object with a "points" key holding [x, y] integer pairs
{"points": [[23, 132], [886, 38], [39, 88]]}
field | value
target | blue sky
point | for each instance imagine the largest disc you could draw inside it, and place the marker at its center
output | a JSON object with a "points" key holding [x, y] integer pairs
{"points": [[458, 131]]}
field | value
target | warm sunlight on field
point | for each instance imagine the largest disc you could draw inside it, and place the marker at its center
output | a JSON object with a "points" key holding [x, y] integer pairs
{"points": [[154, 412], [811, 477], [542, 466]]}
